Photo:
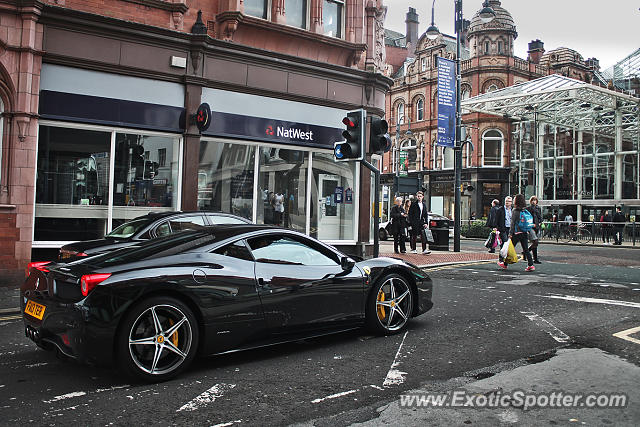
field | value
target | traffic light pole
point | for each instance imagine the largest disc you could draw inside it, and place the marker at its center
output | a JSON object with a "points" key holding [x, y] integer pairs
{"points": [[376, 207]]}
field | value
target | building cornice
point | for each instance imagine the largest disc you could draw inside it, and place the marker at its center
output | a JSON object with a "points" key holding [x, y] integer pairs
{"points": [[162, 4]]}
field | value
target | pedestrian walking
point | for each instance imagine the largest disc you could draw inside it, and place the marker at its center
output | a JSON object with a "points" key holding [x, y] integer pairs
{"points": [[419, 220], [398, 225], [503, 222], [619, 220], [536, 232], [406, 206], [492, 218], [521, 223], [605, 225]]}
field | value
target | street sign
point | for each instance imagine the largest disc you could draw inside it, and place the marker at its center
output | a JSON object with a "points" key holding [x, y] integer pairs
{"points": [[446, 102]]}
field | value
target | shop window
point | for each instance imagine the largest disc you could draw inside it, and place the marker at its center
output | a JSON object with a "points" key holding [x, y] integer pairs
{"points": [[257, 8], [332, 199], [282, 188], [420, 109], [72, 184], [492, 142], [630, 176], [225, 178], [332, 17], [400, 113], [139, 180], [296, 13]]}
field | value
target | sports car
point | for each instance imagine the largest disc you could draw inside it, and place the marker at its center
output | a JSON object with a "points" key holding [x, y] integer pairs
{"points": [[151, 308]]}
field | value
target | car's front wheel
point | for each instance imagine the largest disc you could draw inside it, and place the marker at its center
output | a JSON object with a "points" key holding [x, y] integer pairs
{"points": [[158, 339], [389, 305]]}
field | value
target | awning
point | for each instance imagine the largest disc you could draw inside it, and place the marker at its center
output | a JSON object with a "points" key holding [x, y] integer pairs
{"points": [[565, 102]]}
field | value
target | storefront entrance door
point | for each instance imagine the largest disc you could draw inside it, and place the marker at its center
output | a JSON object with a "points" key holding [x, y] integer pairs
{"points": [[329, 224]]}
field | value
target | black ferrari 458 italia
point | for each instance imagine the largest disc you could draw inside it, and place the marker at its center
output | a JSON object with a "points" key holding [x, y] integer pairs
{"points": [[151, 308]]}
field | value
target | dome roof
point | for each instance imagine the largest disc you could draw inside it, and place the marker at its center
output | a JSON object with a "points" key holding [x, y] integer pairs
{"points": [[561, 54], [502, 21]]}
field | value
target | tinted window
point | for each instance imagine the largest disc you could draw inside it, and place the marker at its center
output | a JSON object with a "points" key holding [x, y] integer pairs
{"points": [[285, 250], [222, 219], [235, 250], [129, 228], [194, 222], [163, 229]]}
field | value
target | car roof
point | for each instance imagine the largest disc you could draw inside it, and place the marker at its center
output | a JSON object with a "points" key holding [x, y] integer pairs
{"points": [[159, 215]]}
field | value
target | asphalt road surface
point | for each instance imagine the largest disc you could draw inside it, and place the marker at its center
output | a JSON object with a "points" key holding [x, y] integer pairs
{"points": [[484, 320]]}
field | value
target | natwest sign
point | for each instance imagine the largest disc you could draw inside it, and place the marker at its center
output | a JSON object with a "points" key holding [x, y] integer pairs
{"points": [[269, 130]]}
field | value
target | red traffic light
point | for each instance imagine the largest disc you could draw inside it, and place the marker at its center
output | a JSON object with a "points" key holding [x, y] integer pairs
{"points": [[348, 122]]}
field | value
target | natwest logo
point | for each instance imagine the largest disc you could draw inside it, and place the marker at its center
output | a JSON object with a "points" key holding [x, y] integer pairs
{"points": [[293, 133], [269, 130]]}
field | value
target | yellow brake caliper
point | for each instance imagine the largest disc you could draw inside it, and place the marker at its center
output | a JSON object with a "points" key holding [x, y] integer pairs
{"points": [[381, 314], [174, 336]]}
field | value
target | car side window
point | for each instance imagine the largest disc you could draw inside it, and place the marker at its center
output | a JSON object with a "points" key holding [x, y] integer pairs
{"points": [[194, 222], [235, 250], [222, 219], [278, 249], [163, 229]]}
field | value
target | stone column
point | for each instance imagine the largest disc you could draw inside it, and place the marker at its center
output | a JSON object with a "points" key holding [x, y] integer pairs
{"points": [[277, 12], [316, 17]]}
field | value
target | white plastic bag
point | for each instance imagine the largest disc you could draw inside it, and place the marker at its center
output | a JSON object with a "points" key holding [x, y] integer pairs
{"points": [[505, 249]]}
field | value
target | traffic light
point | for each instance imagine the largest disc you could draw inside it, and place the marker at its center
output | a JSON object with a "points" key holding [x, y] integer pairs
{"points": [[379, 140], [352, 148]]}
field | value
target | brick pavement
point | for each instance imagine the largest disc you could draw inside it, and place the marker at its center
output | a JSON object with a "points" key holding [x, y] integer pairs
{"points": [[437, 257]]}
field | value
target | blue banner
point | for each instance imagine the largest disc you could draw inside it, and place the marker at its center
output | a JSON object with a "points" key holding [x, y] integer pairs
{"points": [[446, 102]]}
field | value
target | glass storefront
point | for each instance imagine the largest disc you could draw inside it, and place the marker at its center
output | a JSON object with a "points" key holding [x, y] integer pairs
{"points": [[274, 185], [91, 179]]}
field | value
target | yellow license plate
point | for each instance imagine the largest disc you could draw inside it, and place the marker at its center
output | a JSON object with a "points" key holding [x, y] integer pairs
{"points": [[34, 309]]}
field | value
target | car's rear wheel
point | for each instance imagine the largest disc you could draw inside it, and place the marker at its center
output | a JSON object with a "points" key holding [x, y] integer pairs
{"points": [[389, 305], [158, 339]]}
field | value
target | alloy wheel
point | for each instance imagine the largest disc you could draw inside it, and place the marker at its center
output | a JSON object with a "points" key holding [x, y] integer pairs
{"points": [[160, 339], [393, 304]]}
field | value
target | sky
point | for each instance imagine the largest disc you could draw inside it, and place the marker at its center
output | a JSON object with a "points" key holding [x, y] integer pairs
{"points": [[558, 23]]}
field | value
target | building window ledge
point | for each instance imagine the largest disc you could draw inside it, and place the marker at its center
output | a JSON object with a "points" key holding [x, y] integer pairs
{"points": [[162, 4]]}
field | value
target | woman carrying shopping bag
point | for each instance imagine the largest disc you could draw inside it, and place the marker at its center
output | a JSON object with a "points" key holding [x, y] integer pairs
{"points": [[536, 232], [522, 222]]}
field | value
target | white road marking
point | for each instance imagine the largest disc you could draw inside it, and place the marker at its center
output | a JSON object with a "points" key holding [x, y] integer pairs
{"points": [[547, 327], [489, 289], [625, 335], [66, 396], [115, 387], [334, 396], [395, 376], [593, 300], [208, 396], [227, 424], [376, 387]]}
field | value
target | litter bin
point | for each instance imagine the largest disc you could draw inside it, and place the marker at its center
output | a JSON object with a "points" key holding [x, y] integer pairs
{"points": [[440, 230]]}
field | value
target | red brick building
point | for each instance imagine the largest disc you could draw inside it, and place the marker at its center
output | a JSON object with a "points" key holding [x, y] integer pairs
{"points": [[488, 63], [97, 98]]}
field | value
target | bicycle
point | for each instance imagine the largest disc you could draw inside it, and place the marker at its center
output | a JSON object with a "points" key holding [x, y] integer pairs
{"points": [[575, 233]]}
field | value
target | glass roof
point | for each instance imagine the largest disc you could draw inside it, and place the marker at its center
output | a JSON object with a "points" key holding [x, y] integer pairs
{"points": [[562, 101]]}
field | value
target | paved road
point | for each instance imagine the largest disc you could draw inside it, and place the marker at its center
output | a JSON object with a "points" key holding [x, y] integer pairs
{"points": [[484, 321]]}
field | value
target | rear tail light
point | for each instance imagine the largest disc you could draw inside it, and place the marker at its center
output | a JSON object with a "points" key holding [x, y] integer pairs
{"points": [[433, 224], [40, 265], [89, 281]]}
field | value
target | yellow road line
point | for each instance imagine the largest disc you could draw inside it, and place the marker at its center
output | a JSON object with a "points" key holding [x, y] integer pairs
{"points": [[17, 316], [625, 335]]}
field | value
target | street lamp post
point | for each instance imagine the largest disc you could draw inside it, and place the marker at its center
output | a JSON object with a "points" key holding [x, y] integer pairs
{"points": [[486, 15]]}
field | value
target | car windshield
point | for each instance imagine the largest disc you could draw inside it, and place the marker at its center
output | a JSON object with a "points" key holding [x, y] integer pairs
{"points": [[156, 248], [129, 228]]}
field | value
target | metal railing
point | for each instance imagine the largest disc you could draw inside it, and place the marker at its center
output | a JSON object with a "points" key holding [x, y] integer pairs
{"points": [[584, 232]]}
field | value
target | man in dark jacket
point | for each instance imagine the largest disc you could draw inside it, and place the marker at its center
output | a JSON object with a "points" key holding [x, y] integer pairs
{"points": [[619, 220], [419, 220], [605, 220], [491, 219]]}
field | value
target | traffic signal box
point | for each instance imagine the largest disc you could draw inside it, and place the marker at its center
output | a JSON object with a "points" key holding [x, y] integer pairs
{"points": [[379, 139], [353, 146]]}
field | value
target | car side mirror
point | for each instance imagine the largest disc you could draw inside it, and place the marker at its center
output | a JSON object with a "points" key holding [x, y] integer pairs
{"points": [[347, 263]]}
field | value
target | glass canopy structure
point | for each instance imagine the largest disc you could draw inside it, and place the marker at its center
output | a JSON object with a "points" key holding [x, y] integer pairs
{"points": [[573, 144]]}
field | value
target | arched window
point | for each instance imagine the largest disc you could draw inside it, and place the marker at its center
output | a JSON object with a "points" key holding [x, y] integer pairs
{"points": [[492, 145], [486, 48], [492, 88], [420, 110], [400, 113], [466, 94], [411, 147]]}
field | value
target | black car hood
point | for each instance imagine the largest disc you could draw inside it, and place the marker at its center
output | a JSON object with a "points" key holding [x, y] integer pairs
{"points": [[94, 247]]}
